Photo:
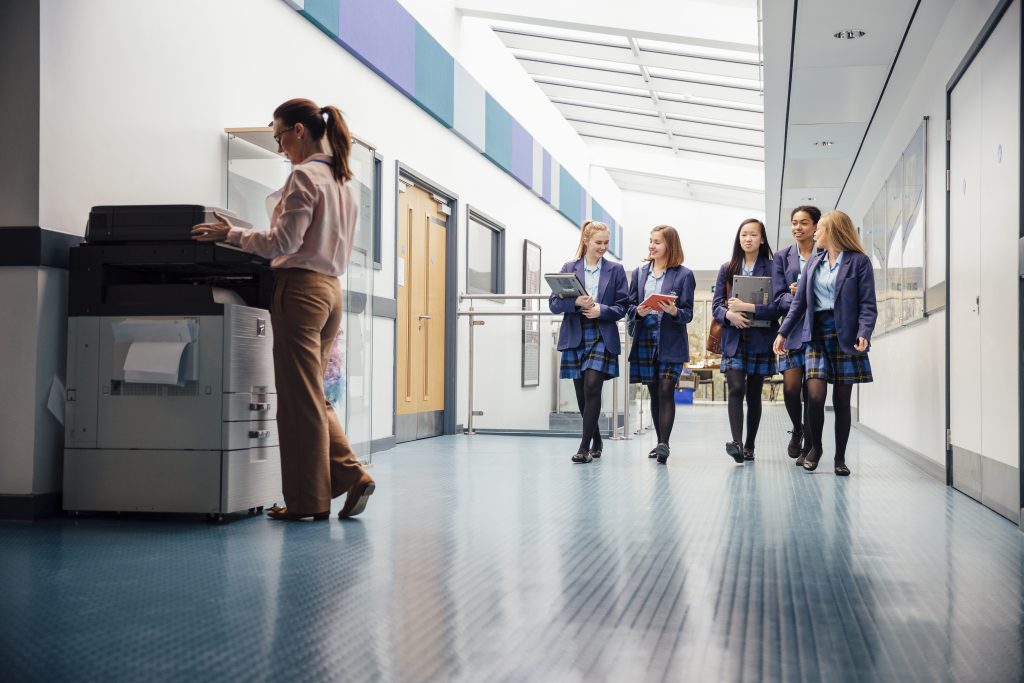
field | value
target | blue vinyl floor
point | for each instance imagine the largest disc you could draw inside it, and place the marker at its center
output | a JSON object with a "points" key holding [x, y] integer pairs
{"points": [[494, 558]]}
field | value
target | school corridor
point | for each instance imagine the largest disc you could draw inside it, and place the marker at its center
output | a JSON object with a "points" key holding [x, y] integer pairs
{"points": [[492, 558]]}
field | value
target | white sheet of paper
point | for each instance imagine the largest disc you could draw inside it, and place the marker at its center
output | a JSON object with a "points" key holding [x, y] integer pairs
{"points": [[55, 401], [154, 362], [401, 272]]}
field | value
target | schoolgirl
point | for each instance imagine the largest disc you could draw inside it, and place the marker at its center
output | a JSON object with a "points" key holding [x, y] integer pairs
{"points": [[660, 344], [746, 349], [589, 337], [786, 272], [835, 303]]}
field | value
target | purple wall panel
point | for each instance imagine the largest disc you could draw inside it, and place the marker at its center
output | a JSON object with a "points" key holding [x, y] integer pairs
{"points": [[522, 154], [546, 182], [383, 35]]}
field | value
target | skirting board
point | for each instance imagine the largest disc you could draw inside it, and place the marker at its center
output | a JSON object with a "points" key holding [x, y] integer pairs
{"points": [[30, 507], [929, 467]]}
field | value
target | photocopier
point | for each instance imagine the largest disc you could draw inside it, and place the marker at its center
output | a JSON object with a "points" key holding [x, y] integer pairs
{"points": [[171, 405]]}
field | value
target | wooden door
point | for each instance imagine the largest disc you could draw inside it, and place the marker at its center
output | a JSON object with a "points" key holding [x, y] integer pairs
{"points": [[422, 273]]}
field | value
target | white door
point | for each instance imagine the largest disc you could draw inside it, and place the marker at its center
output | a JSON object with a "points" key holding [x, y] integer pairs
{"points": [[983, 282], [964, 267]]}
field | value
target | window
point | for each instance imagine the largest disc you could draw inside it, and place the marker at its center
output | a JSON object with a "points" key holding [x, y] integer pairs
{"points": [[378, 194], [485, 255]]}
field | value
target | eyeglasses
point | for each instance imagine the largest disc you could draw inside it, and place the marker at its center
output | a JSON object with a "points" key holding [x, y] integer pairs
{"points": [[277, 137]]}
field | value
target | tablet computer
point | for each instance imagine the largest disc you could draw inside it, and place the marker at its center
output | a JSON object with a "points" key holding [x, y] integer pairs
{"points": [[753, 290], [565, 285]]}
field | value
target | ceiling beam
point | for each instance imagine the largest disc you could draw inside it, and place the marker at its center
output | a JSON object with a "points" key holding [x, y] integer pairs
{"points": [[622, 20]]}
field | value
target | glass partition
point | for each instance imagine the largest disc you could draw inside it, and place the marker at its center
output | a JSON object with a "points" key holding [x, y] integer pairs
{"points": [[255, 171]]}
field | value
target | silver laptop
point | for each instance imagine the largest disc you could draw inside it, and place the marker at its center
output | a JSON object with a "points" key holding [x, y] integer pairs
{"points": [[753, 290]]}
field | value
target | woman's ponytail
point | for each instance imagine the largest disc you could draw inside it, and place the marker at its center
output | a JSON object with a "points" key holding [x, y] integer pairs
{"points": [[340, 141]]}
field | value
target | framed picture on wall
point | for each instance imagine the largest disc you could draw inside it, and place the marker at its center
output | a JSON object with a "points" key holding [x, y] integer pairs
{"points": [[531, 323]]}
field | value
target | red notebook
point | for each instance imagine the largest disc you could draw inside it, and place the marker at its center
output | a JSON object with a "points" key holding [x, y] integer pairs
{"points": [[654, 299]]}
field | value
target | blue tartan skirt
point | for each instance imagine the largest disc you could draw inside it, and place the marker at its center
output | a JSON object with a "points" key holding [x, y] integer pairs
{"points": [[591, 354], [645, 368], [825, 360], [792, 359], [750, 363]]}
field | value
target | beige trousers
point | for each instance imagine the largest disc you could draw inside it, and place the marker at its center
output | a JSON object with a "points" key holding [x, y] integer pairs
{"points": [[317, 463]]}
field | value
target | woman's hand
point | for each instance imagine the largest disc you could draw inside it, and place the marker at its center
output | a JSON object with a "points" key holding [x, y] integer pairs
{"points": [[593, 312], [738, 320], [212, 232], [668, 308], [779, 347], [740, 306], [861, 345], [642, 310], [584, 301], [792, 289]]}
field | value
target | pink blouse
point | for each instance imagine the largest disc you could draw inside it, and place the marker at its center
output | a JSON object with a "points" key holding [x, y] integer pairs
{"points": [[313, 225]]}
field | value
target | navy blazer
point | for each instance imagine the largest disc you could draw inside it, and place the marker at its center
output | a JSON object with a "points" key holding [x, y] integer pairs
{"points": [[611, 294], [759, 339], [673, 341], [855, 308], [785, 269]]}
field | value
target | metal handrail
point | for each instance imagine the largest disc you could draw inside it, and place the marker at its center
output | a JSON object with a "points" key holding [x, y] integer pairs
{"points": [[473, 314]]}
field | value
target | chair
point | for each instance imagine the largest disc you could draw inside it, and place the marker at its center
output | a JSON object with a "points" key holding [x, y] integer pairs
{"points": [[773, 383]]}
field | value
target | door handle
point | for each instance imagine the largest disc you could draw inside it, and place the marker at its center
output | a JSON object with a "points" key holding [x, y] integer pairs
{"points": [[425, 317]]}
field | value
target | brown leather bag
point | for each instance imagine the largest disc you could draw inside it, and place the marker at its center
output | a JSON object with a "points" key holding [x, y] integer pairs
{"points": [[714, 344]]}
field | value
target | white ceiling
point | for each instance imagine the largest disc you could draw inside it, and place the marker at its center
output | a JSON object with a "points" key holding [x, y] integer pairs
{"points": [[651, 83], [832, 88]]}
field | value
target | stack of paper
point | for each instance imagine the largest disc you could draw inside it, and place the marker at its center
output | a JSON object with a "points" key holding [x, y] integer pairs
{"points": [[157, 351]]}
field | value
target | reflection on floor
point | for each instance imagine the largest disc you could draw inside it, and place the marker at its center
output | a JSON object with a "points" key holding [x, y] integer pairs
{"points": [[495, 558]]}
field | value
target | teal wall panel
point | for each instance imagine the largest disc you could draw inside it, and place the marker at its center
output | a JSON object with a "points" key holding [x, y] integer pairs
{"points": [[435, 78]]}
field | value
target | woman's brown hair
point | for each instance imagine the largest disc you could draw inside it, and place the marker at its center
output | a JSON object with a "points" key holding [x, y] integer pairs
{"points": [[587, 231], [675, 256], [321, 121], [838, 228]]}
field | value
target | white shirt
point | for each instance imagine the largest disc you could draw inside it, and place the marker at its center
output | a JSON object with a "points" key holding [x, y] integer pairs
{"points": [[314, 224]]}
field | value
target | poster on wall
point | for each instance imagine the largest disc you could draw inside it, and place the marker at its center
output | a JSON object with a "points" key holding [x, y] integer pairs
{"points": [[893, 308], [913, 226], [893, 233], [531, 323]]}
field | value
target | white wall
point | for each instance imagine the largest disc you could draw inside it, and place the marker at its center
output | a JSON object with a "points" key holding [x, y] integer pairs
{"points": [[706, 230], [135, 98], [906, 402]]}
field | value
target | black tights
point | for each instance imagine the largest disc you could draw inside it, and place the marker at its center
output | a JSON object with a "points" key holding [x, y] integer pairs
{"points": [[588, 397], [793, 389], [740, 386], [817, 389], [663, 407]]}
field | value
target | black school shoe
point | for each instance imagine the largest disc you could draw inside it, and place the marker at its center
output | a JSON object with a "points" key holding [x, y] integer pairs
{"points": [[580, 458], [793, 449], [663, 453], [595, 453], [653, 453], [735, 451], [748, 453]]}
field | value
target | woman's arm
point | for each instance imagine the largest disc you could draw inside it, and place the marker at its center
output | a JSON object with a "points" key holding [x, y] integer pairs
{"points": [[868, 314], [618, 309], [718, 307], [298, 200], [780, 288], [798, 306]]}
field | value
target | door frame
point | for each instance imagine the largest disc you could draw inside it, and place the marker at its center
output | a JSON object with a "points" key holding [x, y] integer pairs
{"points": [[979, 42], [451, 293]]}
